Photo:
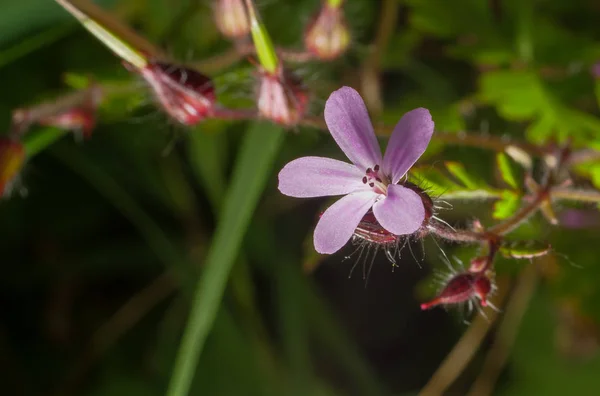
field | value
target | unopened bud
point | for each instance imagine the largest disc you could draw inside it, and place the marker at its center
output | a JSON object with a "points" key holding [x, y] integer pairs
{"points": [[327, 37], [231, 18], [462, 288], [185, 94], [12, 157], [281, 98]]}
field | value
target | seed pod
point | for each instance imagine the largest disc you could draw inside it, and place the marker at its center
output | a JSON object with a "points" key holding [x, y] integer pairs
{"points": [[462, 288]]}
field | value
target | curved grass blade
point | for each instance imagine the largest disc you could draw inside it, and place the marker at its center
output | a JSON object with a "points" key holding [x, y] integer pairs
{"points": [[252, 168]]}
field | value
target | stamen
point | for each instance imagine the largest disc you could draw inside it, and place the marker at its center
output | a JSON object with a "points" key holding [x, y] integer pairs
{"points": [[371, 184], [378, 179], [376, 168], [369, 170], [364, 180]]}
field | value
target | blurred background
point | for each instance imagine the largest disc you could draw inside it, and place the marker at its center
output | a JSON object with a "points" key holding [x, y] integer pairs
{"points": [[92, 234]]}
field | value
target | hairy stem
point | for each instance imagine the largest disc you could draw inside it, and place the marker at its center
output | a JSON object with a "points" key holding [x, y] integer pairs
{"points": [[575, 194], [522, 215], [456, 235]]}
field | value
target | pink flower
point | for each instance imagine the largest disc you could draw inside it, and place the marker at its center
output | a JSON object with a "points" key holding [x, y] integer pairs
{"points": [[370, 182]]}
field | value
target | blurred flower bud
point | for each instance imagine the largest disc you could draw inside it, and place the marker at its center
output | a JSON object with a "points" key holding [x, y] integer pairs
{"points": [[327, 36], [461, 288], [281, 97], [185, 94], [77, 119], [595, 70], [12, 157], [231, 18]]}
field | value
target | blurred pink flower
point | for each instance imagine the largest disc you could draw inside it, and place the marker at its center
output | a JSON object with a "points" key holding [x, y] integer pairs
{"points": [[370, 182]]}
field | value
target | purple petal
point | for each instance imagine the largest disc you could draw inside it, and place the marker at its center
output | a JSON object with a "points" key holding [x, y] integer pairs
{"points": [[408, 142], [401, 212], [348, 121], [339, 221], [319, 177]]}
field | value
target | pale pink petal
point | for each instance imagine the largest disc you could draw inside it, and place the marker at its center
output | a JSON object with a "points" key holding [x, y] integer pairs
{"points": [[318, 177], [339, 221], [348, 121], [408, 142], [401, 212]]}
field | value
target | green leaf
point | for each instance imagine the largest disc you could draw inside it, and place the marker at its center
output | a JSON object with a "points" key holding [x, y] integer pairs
{"points": [[524, 249], [458, 170], [520, 95], [507, 205], [258, 151], [507, 170], [436, 184]]}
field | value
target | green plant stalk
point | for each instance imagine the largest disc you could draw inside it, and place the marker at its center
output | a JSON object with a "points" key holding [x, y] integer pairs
{"points": [[262, 41], [40, 140], [115, 43], [258, 151]]}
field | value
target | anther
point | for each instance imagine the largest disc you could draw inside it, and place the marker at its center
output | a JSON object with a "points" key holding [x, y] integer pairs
{"points": [[378, 179], [365, 180], [372, 184], [369, 170], [376, 169]]}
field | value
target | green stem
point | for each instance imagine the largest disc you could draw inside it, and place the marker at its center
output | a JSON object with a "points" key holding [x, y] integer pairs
{"points": [[260, 146]]}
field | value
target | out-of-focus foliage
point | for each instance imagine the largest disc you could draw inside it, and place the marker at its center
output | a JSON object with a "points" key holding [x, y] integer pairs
{"points": [[102, 240]]}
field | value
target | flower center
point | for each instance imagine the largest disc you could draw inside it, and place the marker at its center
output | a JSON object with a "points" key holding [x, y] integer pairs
{"points": [[376, 180]]}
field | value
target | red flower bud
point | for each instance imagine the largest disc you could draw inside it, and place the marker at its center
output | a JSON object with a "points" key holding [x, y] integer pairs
{"points": [[185, 94], [461, 288], [231, 18], [12, 157], [281, 98], [327, 37], [76, 119]]}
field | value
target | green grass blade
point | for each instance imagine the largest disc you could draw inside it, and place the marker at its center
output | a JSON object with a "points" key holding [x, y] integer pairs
{"points": [[39, 140], [253, 166]]}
